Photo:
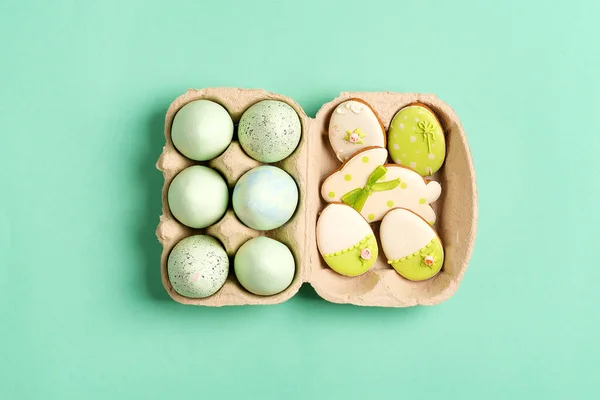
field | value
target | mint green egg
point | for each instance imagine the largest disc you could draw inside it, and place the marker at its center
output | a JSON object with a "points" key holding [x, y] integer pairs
{"points": [[264, 266], [198, 196], [202, 130]]}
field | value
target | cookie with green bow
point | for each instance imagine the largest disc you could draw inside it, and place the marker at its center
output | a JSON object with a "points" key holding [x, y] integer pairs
{"points": [[416, 139], [366, 183]]}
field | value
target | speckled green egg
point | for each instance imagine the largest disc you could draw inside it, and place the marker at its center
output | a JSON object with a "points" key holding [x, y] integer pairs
{"points": [[198, 266], [269, 131]]}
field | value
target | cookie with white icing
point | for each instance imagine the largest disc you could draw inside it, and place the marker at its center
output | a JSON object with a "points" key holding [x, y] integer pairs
{"points": [[372, 187], [353, 126], [411, 246], [345, 240]]}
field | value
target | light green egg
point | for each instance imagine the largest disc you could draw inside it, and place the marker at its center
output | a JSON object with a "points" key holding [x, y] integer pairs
{"points": [[202, 130], [269, 131], [264, 266], [198, 266], [198, 196], [416, 140]]}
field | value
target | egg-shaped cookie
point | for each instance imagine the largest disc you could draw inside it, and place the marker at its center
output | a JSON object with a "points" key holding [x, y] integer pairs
{"points": [[353, 126], [345, 240], [411, 245], [416, 139]]}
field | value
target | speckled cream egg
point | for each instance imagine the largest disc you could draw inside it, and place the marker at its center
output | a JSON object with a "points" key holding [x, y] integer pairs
{"points": [[265, 198], [345, 240], [202, 130], [198, 266], [264, 266], [269, 131], [198, 196]]}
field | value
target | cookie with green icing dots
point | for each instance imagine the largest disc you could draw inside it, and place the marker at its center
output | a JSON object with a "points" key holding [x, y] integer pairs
{"points": [[416, 139], [370, 186]]}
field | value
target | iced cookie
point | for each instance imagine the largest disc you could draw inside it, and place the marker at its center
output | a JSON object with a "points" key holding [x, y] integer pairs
{"points": [[373, 188], [354, 126], [411, 246], [345, 240], [416, 139]]}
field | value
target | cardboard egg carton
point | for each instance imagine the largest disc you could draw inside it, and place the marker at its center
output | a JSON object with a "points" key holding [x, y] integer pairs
{"points": [[311, 162]]}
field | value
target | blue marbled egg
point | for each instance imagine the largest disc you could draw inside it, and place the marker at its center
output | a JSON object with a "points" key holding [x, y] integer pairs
{"points": [[265, 198]]}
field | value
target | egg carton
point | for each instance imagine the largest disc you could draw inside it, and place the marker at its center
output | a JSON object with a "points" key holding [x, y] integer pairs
{"points": [[311, 162]]}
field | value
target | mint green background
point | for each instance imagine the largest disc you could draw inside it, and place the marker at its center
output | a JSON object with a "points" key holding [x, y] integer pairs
{"points": [[83, 90]]}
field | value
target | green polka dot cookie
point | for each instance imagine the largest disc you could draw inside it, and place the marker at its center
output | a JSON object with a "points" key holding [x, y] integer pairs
{"points": [[416, 139]]}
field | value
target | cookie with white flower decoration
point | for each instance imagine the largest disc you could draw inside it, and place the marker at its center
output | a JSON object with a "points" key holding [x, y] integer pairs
{"points": [[411, 246], [370, 186], [345, 240], [353, 126]]}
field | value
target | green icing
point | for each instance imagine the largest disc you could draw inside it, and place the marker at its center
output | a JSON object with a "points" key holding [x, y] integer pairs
{"points": [[349, 262], [413, 267], [416, 140], [356, 198]]}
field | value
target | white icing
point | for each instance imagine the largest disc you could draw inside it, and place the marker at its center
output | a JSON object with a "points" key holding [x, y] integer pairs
{"points": [[376, 204], [356, 107], [403, 233], [349, 116], [340, 227]]}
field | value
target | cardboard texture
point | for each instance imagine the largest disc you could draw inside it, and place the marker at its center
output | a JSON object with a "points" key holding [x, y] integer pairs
{"points": [[309, 165]]}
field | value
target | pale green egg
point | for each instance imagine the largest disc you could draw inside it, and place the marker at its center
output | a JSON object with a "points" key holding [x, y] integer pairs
{"points": [[198, 266], [202, 130], [264, 266], [198, 196]]}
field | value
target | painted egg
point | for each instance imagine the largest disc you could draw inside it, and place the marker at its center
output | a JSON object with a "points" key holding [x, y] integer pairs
{"points": [[264, 266], [411, 245], [265, 198], [269, 131], [198, 266], [202, 130], [198, 196], [345, 240], [416, 139], [354, 126]]}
